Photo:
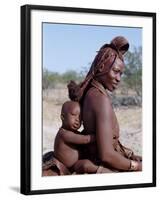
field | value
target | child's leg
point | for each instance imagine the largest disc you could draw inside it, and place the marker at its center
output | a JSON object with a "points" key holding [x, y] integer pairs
{"points": [[102, 169], [49, 172], [85, 166]]}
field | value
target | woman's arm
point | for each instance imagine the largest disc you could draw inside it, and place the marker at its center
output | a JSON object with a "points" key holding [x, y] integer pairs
{"points": [[104, 116], [129, 153]]}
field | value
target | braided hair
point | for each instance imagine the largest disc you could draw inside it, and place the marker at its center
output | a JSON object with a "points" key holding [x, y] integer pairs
{"points": [[106, 56]]}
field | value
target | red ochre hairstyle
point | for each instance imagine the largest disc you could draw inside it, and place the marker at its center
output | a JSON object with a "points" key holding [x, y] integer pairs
{"points": [[106, 56]]}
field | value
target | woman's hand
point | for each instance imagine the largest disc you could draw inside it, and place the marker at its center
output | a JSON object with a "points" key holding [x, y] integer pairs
{"points": [[135, 166], [139, 166], [136, 158]]}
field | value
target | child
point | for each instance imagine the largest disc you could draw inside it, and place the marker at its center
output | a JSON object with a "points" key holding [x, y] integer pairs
{"points": [[68, 140], [66, 158]]}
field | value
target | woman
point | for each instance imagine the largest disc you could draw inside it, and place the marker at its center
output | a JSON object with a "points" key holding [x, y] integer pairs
{"points": [[97, 113]]}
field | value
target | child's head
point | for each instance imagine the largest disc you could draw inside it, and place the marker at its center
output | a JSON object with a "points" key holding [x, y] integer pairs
{"points": [[70, 115]]}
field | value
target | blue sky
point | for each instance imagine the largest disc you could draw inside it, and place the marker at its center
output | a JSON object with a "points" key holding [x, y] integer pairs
{"points": [[73, 47]]}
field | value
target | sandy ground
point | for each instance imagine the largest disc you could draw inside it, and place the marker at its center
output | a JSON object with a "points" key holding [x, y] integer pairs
{"points": [[129, 120]]}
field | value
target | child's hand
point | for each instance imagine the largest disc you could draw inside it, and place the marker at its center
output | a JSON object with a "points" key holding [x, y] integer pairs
{"points": [[93, 138]]}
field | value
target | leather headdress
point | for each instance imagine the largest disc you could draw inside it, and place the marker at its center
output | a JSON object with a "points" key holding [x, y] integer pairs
{"points": [[106, 56]]}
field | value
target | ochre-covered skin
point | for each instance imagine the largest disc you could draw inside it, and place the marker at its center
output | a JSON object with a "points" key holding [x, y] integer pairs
{"points": [[68, 140], [106, 154], [98, 115]]}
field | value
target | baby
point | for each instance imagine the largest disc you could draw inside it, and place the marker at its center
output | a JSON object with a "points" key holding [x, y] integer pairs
{"points": [[68, 140]]}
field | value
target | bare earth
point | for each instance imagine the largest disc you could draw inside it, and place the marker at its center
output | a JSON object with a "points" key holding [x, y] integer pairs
{"points": [[129, 119]]}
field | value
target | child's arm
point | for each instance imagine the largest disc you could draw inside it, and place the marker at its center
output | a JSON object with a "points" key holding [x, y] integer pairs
{"points": [[74, 138]]}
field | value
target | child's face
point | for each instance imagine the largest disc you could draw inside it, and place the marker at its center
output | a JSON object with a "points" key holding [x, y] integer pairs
{"points": [[72, 118]]}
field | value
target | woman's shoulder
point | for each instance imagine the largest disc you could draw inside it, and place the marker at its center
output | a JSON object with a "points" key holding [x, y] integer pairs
{"points": [[94, 96]]}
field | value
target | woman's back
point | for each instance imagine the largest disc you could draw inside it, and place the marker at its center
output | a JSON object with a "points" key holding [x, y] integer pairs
{"points": [[88, 115]]}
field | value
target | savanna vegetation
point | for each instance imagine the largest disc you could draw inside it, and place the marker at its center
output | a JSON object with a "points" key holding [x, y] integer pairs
{"points": [[130, 91]]}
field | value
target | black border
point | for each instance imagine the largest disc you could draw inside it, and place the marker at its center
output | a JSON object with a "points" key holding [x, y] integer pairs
{"points": [[26, 98]]}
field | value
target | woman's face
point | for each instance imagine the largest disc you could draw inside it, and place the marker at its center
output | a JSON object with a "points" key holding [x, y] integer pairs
{"points": [[112, 79]]}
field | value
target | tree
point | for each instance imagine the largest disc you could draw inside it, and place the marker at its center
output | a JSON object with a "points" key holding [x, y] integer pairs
{"points": [[50, 79], [133, 71], [71, 75]]}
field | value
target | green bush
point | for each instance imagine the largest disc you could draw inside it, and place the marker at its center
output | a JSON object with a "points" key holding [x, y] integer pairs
{"points": [[51, 79], [133, 71]]}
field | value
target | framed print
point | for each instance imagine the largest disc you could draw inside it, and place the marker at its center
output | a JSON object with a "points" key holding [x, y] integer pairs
{"points": [[88, 99]]}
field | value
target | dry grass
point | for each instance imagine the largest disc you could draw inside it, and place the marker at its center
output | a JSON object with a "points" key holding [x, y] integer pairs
{"points": [[130, 122]]}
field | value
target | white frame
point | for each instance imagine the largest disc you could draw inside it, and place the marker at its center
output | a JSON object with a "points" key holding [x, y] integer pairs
{"points": [[31, 180]]}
